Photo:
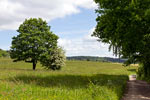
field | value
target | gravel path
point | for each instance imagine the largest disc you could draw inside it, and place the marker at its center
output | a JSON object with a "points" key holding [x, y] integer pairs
{"points": [[136, 90]]}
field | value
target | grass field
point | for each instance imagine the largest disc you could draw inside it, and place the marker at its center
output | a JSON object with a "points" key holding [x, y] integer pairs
{"points": [[78, 80]]}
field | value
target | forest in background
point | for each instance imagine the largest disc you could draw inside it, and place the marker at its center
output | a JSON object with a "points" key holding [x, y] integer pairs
{"points": [[4, 53], [100, 59]]}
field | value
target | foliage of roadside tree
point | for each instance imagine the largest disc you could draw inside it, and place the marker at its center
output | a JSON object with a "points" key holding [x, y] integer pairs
{"points": [[34, 41], [125, 25]]}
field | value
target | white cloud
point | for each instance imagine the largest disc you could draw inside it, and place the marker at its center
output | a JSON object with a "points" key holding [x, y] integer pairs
{"points": [[13, 12], [85, 46]]}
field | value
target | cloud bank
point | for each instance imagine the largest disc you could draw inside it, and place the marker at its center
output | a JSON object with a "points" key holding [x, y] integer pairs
{"points": [[84, 46], [13, 12]]}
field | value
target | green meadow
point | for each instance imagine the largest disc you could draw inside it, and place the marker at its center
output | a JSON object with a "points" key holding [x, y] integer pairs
{"points": [[78, 80]]}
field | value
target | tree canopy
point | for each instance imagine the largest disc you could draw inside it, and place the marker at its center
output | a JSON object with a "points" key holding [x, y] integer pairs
{"points": [[34, 40], [125, 25]]}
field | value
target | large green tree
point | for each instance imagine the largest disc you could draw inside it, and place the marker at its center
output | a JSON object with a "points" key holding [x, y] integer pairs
{"points": [[34, 40], [125, 25]]}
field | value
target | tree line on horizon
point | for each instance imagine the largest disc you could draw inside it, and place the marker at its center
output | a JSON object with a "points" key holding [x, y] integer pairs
{"points": [[4, 53], [98, 59]]}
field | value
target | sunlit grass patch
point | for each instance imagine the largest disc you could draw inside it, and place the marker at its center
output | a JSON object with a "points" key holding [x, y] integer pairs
{"points": [[79, 80]]}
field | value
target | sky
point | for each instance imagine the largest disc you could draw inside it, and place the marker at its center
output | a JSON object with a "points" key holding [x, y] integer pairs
{"points": [[72, 20]]}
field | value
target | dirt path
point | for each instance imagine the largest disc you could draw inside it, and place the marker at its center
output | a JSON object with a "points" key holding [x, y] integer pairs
{"points": [[137, 90]]}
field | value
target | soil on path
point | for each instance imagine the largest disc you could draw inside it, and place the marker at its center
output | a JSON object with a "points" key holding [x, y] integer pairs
{"points": [[136, 90]]}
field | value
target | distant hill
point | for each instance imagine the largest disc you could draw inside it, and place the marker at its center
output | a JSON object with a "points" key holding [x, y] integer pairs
{"points": [[93, 58], [4, 53]]}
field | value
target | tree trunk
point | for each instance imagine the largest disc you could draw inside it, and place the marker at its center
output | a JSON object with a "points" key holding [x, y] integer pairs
{"points": [[145, 71], [34, 64]]}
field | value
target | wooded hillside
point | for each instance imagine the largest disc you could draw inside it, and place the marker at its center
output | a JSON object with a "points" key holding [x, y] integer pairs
{"points": [[4, 53], [93, 58]]}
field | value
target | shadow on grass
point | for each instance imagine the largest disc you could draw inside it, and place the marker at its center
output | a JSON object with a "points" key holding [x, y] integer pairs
{"points": [[71, 81], [116, 83], [21, 69], [132, 70]]}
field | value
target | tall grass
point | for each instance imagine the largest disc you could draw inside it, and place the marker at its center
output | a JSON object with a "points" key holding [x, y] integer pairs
{"points": [[78, 80]]}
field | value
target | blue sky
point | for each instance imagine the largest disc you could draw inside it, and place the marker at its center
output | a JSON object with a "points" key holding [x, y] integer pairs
{"points": [[72, 21], [76, 25]]}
